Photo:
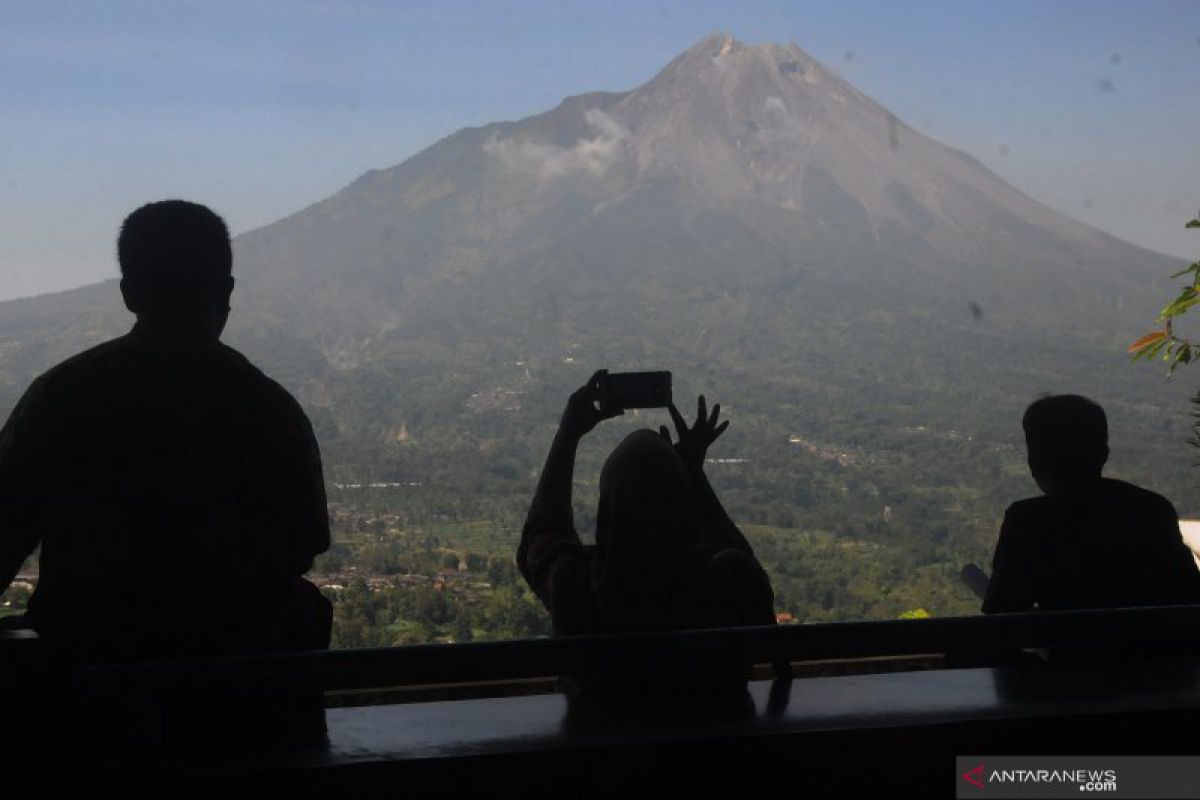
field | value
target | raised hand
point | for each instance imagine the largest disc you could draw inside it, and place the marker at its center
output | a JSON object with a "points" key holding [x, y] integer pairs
{"points": [[694, 442], [581, 413]]}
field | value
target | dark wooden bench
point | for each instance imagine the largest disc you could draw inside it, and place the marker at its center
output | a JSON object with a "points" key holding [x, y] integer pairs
{"points": [[1109, 700], [883, 734]]}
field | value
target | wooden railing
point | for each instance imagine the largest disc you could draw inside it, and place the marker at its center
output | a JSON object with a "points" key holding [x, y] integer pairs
{"points": [[976, 640]]}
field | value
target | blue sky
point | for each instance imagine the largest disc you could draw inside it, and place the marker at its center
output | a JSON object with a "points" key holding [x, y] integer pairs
{"points": [[261, 107]]}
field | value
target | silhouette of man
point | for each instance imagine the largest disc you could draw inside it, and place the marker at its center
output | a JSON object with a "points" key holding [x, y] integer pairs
{"points": [[1089, 542], [175, 490]]}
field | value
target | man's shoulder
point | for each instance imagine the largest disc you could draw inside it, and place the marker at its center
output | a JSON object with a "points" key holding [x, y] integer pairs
{"points": [[270, 394], [1029, 508], [67, 379], [1116, 486], [253, 377], [1130, 494], [97, 357], [1031, 523], [1110, 490]]}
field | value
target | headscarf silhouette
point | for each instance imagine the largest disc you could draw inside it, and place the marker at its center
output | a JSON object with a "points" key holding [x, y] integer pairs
{"points": [[649, 570]]}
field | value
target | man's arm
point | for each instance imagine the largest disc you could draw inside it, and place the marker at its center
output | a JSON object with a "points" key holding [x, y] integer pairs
{"points": [[296, 521], [1011, 588], [20, 465], [314, 506], [1181, 579]]}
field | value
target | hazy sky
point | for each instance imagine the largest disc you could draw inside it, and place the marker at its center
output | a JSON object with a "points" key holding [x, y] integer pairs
{"points": [[261, 107]]}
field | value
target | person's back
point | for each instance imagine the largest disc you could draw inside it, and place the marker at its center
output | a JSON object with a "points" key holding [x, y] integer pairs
{"points": [[176, 497], [175, 490], [1112, 545], [1089, 542]]}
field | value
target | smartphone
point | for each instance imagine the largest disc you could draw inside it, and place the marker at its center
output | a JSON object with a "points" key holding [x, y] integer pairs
{"points": [[635, 390]]}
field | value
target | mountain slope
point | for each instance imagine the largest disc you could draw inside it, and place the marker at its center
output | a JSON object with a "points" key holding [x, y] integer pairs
{"points": [[747, 219]]}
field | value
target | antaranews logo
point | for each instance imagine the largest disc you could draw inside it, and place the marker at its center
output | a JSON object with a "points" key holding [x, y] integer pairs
{"points": [[975, 776], [1034, 776]]}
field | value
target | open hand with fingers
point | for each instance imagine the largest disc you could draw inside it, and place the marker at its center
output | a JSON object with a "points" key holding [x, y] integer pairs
{"points": [[693, 442], [582, 413]]}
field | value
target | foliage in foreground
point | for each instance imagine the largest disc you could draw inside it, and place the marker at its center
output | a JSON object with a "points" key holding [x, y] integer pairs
{"points": [[1173, 348]]}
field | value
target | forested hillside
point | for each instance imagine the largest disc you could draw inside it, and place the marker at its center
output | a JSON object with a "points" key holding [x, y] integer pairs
{"points": [[872, 309]]}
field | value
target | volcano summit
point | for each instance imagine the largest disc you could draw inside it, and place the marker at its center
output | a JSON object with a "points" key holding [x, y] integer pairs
{"points": [[873, 307]]}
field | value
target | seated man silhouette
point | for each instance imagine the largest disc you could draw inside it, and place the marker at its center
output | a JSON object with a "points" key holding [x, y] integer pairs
{"points": [[666, 557], [175, 490], [1089, 541]]}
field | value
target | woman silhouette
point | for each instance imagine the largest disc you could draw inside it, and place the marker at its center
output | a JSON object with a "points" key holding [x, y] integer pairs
{"points": [[666, 557]]}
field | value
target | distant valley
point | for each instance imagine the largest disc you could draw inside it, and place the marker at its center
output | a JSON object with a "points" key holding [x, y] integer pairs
{"points": [[873, 309]]}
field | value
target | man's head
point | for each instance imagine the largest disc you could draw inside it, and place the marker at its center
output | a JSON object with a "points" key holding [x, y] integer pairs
{"points": [[175, 266], [1067, 439]]}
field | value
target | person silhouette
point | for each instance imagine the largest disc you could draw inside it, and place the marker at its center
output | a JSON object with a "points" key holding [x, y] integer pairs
{"points": [[1089, 541], [175, 490], [667, 556]]}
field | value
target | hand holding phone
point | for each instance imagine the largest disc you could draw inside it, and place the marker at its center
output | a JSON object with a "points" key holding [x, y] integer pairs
{"points": [[581, 413], [621, 390]]}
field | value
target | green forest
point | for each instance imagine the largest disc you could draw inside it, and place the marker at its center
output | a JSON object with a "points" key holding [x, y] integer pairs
{"points": [[866, 523], [869, 457]]}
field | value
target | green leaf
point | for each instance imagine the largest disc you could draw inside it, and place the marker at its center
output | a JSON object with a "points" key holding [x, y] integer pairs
{"points": [[1182, 356], [1147, 349], [1195, 223], [1194, 268], [1179, 305], [1147, 340], [1143, 353]]}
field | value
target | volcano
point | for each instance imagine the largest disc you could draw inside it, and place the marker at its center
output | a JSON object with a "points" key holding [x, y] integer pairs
{"points": [[873, 308]]}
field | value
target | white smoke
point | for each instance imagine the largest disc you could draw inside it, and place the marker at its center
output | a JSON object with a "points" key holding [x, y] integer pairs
{"points": [[549, 161]]}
